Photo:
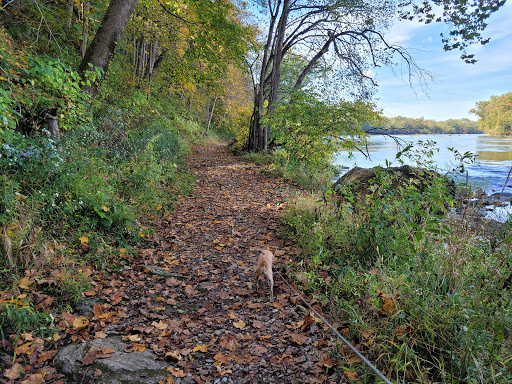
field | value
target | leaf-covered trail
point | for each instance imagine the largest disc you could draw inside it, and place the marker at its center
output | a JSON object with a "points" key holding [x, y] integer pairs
{"points": [[190, 296]]}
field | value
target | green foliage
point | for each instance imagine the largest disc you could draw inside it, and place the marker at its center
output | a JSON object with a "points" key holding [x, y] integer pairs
{"points": [[312, 131], [495, 115], [32, 86], [466, 20], [409, 125], [425, 295], [20, 316]]}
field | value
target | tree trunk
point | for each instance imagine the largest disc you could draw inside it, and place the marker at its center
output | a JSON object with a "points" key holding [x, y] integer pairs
{"points": [[210, 115], [112, 26], [259, 136], [85, 26], [69, 11], [53, 126]]}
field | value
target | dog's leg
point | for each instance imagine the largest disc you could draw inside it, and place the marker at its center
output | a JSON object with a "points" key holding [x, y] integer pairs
{"points": [[271, 283], [258, 273]]}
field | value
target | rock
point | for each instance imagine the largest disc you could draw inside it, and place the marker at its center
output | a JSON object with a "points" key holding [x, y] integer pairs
{"points": [[159, 271], [121, 368], [86, 305], [361, 179]]}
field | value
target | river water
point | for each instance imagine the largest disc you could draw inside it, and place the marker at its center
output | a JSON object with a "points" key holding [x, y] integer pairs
{"points": [[489, 171]]}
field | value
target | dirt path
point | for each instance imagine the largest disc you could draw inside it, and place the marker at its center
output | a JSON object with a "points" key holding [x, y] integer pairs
{"points": [[190, 296]]}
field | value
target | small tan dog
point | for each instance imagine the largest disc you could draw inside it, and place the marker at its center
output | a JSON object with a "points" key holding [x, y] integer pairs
{"points": [[264, 265]]}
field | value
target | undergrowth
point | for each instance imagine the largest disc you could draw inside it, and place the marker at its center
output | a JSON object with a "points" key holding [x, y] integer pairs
{"points": [[424, 295], [73, 208]]}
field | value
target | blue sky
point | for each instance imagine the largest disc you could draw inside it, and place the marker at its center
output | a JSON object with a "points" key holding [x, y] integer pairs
{"points": [[458, 86]]}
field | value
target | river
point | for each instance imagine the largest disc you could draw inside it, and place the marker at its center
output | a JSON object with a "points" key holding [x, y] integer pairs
{"points": [[489, 172]]}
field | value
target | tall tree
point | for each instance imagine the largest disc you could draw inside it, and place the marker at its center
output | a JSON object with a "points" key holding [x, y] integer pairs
{"points": [[114, 22], [495, 115], [348, 36]]}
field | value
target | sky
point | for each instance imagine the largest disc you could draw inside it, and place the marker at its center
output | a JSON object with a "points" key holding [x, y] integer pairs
{"points": [[458, 86]]}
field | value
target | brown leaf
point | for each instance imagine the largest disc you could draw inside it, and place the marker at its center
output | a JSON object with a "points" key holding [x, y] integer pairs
{"points": [[91, 356], [351, 375], [100, 335], [45, 356], [36, 378], [190, 291], [26, 349], [229, 342], [14, 372], [298, 338], [25, 282], [176, 372]]}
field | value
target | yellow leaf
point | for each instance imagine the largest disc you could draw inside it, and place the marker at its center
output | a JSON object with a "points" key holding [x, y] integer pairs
{"points": [[123, 250], [139, 347], [239, 324], [200, 348], [80, 322], [132, 338], [105, 208], [159, 206], [84, 239]]}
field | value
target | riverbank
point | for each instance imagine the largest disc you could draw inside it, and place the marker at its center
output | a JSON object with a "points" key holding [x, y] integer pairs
{"points": [[424, 292]]}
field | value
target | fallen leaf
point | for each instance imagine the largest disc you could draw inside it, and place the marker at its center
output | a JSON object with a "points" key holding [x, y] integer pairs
{"points": [[160, 325], [139, 347], [107, 350], [91, 356], [84, 239], [131, 338], [176, 372], [14, 372], [100, 335], [45, 356], [239, 324], [175, 355], [298, 338], [190, 291], [200, 348], [36, 378], [80, 322], [351, 375], [26, 349], [24, 283]]}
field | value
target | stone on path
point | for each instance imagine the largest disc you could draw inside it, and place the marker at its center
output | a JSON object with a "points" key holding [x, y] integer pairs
{"points": [[122, 367]]}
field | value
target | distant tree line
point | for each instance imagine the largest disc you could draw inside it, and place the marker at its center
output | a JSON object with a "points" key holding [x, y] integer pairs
{"points": [[495, 115], [409, 125]]}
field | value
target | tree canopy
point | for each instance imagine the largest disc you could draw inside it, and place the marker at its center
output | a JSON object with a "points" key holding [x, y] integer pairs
{"points": [[495, 115]]}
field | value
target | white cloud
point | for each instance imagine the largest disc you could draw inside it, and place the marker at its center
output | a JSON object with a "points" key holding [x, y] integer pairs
{"points": [[369, 73]]}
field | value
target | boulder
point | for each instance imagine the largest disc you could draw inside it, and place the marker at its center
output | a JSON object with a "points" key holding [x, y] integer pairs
{"points": [[361, 179], [120, 368]]}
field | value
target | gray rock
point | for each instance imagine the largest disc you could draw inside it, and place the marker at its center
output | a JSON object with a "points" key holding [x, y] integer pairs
{"points": [[121, 368], [159, 271]]}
